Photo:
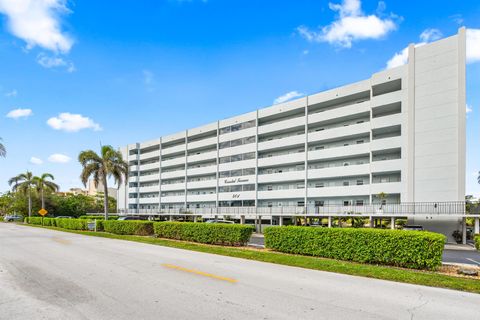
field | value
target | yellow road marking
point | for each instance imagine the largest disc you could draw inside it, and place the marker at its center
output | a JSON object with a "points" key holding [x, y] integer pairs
{"points": [[201, 273], [60, 240]]}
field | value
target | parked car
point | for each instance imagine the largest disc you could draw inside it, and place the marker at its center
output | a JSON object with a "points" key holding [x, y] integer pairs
{"points": [[413, 228], [63, 217], [12, 217], [219, 221], [126, 218]]}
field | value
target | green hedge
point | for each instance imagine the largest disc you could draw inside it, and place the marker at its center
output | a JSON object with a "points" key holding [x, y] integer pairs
{"points": [[139, 228], [211, 233], [477, 241], [98, 217], [409, 249], [72, 224], [33, 220]]}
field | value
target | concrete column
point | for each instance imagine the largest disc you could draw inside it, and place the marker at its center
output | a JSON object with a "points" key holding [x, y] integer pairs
{"points": [[280, 221], [329, 221], [464, 230], [371, 220], [194, 218], [476, 228], [392, 223], [260, 224], [170, 217], [242, 219]]}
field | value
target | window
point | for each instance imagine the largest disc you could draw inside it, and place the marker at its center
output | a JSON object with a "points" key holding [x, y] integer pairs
{"points": [[319, 185], [301, 204], [319, 203], [360, 141], [360, 121], [320, 148], [269, 188], [359, 182], [384, 202], [346, 183], [346, 203], [346, 164], [300, 186], [270, 204], [359, 202], [345, 144]]}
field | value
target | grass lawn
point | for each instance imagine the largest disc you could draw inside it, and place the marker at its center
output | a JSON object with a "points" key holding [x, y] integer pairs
{"points": [[427, 278]]}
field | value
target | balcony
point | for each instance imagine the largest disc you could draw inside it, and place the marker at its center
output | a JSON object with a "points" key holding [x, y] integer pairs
{"points": [[339, 152], [201, 171], [387, 121], [238, 134], [346, 111], [341, 171], [150, 177], [132, 190], [202, 157], [208, 142], [241, 195], [149, 189], [173, 186], [281, 194], [202, 197], [387, 98], [153, 200], [288, 142], [149, 155], [173, 199], [387, 187], [173, 162], [173, 174], [283, 159], [245, 148], [335, 133], [176, 149], [133, 168], [202, 184], [387, 165], [340, 191], [150, 166], [282, 125], [280, 177], [237, 165], [386, 143]]}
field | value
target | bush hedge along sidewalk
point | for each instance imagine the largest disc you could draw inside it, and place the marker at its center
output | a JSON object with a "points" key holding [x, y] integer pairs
{"points": [[409, 249], [210, 233], [139, 228]]}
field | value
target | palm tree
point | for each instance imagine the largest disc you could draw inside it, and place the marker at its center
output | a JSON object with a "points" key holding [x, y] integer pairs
{"points": [[101, 167], [381, 196], [3, 151], [24, 183], [43, 185]]}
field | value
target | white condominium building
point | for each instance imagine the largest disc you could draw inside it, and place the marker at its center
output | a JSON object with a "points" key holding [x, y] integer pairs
{"points": [[400, 132]]}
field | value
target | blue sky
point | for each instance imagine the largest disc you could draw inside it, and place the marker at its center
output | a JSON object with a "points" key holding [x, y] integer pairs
{"points": [[75, 74]]}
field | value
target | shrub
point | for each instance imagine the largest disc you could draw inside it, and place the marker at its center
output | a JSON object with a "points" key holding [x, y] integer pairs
{"points": [[139, 228], [34, 220], [476, 238], [50, 222], [211, 233], [410, 249], [72, 224]]}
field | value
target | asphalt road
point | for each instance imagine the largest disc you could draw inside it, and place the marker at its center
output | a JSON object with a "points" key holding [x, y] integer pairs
{"points": [[46, 274]]}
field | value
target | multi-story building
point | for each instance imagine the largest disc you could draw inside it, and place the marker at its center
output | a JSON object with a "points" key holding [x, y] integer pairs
{"points": [[400, 132]]}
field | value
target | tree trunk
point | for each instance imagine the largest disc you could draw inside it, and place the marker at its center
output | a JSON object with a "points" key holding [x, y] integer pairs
{"points": [[29, 203], [43, 199], [105, 197]]}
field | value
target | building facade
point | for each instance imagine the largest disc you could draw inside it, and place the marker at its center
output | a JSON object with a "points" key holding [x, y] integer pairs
{"points": [[396, 137]]}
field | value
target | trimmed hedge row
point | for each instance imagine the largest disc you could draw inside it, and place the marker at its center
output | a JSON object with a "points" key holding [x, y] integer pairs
{"points": [[139, 228], [476, 238], [210, 233], [409, 249], [65, 223]]}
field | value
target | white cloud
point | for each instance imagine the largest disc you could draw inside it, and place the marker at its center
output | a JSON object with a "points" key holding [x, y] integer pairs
{"points": [[351, 25], [35, 160], [430, 35], [469, 108], [72, 122], [37, 22], [12, 93], [287, 96], [19, 113], [54, 62], [59, 158], [473, 45]]}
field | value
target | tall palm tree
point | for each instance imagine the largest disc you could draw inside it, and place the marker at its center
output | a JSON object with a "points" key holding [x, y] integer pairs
{"points": [[101, 167], [43, 184], [3, 151], [23, 183]]}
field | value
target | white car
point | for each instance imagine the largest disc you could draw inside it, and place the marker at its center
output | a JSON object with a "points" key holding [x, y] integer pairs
{"points": [[12, 217]]}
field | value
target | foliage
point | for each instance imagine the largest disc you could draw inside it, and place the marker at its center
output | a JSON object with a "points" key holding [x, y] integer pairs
{"points": [[43, 185], [211, 233], [139, 228], [72, 224], [409, 249], [476, 238], [108, 164], [23, 183]]}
